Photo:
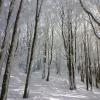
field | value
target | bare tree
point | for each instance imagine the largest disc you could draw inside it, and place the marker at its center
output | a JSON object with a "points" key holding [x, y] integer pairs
{"points": [[44, 59], [82, 65], [91, 15], [89, 62], [68, 45], [86, 58], [7, 24], [51, 54], [58, 69], [28, 43], [98, 67], [7, 73], [38, 11], [8, 19], [45, 45]]}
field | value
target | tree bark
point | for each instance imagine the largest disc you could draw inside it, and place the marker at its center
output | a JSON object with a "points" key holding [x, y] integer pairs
{"points": [[38, 10], [49, 64], [7, 73], [7, 24]]}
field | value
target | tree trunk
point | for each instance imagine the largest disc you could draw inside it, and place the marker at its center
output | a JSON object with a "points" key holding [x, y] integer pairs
{"points": [[0, 4], [7, 73], [7, 25], [38, 10], [49, 62], [69, 49], [44, 60]]}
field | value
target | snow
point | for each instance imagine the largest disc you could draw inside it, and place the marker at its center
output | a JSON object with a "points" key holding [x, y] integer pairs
{"points": [[55, 89]]}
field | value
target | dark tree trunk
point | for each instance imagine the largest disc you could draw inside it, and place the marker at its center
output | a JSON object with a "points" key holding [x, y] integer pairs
{"points": [[7, 24], [57, 63], [70, 61], [7, 73], [28, 55], [48, 75], [89, 64], [43, 73], [44, 60], [38, 10], [69, 49], [0, 4], [82, 66], [86, 60], [49, 64]]}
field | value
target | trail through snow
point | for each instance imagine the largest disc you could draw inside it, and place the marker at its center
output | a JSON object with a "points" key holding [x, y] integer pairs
{"points": [[56, 89]]}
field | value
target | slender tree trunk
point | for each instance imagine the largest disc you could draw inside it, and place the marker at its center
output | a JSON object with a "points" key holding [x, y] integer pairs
{"points": [[44, 60], [69, 49], [43, 73], [48, 74], [86, 60], [86, 69], [82, 67], [58, 63], [49, 64], [75, 31], [95, 70], [0, 4], [7, 25], [8, 19], [29, 35], [38, 10], [98, 68], [7, 73], [28, 55], [89, 63], [71, 61]]}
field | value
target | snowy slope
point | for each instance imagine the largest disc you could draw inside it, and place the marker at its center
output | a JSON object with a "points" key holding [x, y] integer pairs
{"points": [[56, 89]]}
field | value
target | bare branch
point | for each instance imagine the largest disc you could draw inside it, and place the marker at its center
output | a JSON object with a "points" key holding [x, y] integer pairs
{"points": [[89, 13]]}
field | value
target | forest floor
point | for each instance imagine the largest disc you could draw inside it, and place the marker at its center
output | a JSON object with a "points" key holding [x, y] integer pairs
{"points": [[55, 89]]}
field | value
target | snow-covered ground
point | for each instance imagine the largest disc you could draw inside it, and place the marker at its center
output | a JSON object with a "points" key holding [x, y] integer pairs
{"points": [[55, 89]]}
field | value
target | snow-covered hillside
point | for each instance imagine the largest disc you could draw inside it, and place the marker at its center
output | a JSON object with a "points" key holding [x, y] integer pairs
{"points": [[49, 49], [56, 89]]}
